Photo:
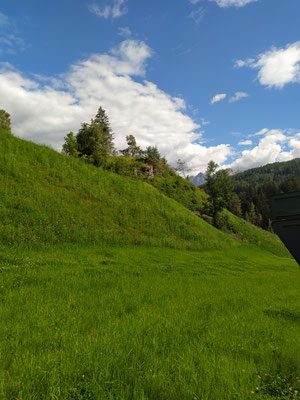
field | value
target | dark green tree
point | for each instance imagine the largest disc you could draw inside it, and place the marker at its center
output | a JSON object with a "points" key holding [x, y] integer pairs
{"points": [[151, 155], [101, 119], [251, 215], [219, 186], [93, 142], [5, 123], [235, 206]]}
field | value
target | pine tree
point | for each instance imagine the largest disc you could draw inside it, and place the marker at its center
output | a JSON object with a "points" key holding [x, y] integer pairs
{"points": [[102, 120]]}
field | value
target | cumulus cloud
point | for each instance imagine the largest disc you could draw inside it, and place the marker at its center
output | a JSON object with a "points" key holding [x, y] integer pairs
{"points": [[45, 110], [245, 143], [275, 145], [238, 96], [218, 97], [277, 67], [114, 10], [233, 3]]}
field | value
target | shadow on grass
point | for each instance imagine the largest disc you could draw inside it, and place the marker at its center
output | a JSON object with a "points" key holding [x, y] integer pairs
{"points": [[285, 314]]}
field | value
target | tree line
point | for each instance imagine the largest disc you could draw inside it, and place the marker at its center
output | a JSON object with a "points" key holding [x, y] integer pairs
{"points": [[253, 189], [245, 194], [94, 143]]}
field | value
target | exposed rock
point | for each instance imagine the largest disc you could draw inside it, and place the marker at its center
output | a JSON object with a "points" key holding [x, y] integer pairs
{"points": [[203, 216], [148, 171]]}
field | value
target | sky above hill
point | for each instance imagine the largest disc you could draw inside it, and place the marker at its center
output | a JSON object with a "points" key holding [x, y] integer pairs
{"points": [[201, 79]]}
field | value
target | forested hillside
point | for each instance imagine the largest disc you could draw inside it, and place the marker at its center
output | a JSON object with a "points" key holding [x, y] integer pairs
{"points": [[255, 186]]}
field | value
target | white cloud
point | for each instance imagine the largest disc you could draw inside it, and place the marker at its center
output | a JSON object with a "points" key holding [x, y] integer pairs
{"points": [[275, 145], [197, 15], [204, 122], [238, 96], [218, 97], [10, 40], [125, 32], [4, 20], [245, 143], [231, 3], [46, 110], [277, 67], [114, 10], [260, 133]]}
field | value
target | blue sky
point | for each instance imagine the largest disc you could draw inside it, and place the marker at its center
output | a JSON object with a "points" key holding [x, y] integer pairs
{"points": [[201, 79]]}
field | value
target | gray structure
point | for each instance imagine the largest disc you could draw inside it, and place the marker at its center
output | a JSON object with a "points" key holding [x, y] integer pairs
{"points": [[286, 221]]}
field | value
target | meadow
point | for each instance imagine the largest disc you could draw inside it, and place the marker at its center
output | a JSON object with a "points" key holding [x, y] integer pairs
{"points": [[110, 290], [148, 323]]}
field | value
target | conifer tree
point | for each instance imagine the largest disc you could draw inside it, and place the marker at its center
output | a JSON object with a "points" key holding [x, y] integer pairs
{"points": [[101, 119], [93, 142], [133, 150]]}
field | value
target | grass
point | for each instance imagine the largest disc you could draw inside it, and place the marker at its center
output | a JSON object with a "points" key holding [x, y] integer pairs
{"points": [[147, 323], [50, 198], [110, 290]]}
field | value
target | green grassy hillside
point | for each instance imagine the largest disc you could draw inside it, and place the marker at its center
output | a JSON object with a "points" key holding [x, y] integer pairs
{"points": [[110, 290], [47, 197]]}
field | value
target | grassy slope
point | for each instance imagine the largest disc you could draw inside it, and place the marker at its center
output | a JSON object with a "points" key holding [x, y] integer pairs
{"points": [[249, 233], [50, 198], [82, 322]]}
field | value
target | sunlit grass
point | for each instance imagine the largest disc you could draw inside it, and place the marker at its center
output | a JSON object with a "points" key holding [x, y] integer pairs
{"points": [[111, 290], [142, 323]]}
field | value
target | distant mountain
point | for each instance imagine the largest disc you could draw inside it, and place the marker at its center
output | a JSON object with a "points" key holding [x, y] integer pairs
{"points": [[198, 179]]}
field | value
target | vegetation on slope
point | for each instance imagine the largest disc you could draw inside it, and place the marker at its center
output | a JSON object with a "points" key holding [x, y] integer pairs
{"points": [[84, 319], [255, 186], [275, 172], [50, 198]]}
